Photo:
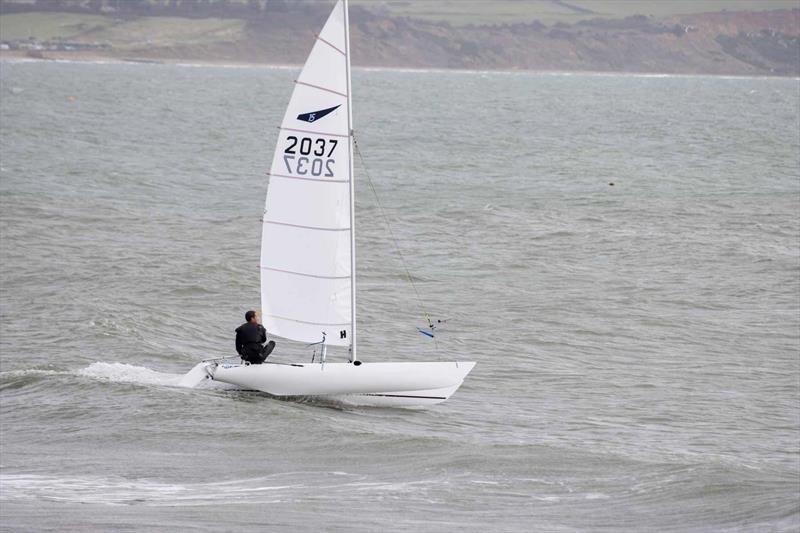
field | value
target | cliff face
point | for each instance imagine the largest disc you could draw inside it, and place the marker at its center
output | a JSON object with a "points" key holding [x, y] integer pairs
{"points": [[745, 43], [763, 43], [718, 43]]}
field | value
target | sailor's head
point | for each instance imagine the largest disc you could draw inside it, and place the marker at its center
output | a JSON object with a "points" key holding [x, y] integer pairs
{"points": [[250, 316]]}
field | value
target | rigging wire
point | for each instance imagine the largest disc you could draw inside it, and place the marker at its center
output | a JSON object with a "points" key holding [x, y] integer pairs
{"points": [[420, 302]]}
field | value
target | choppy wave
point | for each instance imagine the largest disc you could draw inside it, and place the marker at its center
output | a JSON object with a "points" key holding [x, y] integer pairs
{"points": [[18, 379]]}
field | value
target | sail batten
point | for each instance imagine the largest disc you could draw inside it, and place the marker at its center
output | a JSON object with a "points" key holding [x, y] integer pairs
{"points": [[328, 133], [284, 176], [314, 228], [309, 323], [332, 46], [304, 274], [307, 237], [319, 87]]}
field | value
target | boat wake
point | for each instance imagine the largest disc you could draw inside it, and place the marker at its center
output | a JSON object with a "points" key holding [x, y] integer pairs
{"points": [[109, 372], [120, 491], [139, 375]]}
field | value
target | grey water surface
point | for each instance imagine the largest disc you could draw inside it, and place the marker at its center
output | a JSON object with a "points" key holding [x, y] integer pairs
{"points": [[638, 344]]}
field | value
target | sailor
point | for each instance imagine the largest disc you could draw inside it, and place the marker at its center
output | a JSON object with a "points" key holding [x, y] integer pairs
{"points": [[250, 339]]}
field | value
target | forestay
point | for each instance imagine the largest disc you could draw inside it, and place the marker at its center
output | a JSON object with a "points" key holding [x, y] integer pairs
{"points": [[307, 255]]}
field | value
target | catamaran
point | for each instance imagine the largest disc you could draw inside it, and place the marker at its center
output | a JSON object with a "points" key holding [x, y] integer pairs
{"points": [[308, 259]]}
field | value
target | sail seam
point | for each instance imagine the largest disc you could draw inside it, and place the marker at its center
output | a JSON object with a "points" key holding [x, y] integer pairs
{"points": [[270, 174], [314, 132], [332, 46], [316, 228], [320, 88], [303, 273], [312, 323]]}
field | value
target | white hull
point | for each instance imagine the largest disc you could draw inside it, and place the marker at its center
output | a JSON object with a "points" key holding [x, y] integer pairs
{"points": [[373, 384]]}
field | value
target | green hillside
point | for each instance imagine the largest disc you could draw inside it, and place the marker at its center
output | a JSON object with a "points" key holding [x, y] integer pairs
{"points": [[123, 33], [48, 26]]}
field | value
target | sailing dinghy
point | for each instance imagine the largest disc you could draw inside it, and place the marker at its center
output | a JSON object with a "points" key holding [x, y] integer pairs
{"points": [[308, 284]]}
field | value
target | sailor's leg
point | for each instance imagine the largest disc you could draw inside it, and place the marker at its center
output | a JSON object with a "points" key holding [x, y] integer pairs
{"points": [[267, 349]]}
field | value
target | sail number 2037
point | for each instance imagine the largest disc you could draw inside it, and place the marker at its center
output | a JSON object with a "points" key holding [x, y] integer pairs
{"points": [[305, 156]]}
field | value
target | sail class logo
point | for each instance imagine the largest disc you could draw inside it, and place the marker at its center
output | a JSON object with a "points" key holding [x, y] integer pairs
{"points": [[316, 115]]}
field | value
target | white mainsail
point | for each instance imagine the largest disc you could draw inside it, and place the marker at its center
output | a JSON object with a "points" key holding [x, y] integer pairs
{"points": [[307, 244]]}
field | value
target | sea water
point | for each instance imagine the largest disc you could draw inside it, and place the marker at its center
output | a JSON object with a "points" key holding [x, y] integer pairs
{"points": [[620, 254]]}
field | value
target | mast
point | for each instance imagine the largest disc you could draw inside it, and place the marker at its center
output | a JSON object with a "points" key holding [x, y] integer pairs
{"points": [[352, 187]]}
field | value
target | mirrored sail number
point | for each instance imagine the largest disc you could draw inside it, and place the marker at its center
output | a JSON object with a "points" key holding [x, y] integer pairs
{"points": [[310, 157]]}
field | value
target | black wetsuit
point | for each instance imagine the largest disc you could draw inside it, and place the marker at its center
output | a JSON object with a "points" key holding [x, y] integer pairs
{"points": [[249, 343]]}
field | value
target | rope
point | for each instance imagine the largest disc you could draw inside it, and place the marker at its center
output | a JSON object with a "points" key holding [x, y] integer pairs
{"points": [[420, 303]]}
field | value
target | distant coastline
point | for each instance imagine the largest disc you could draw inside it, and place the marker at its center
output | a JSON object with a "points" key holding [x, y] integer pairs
{"points": [[755, 43], [98, 60]]}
